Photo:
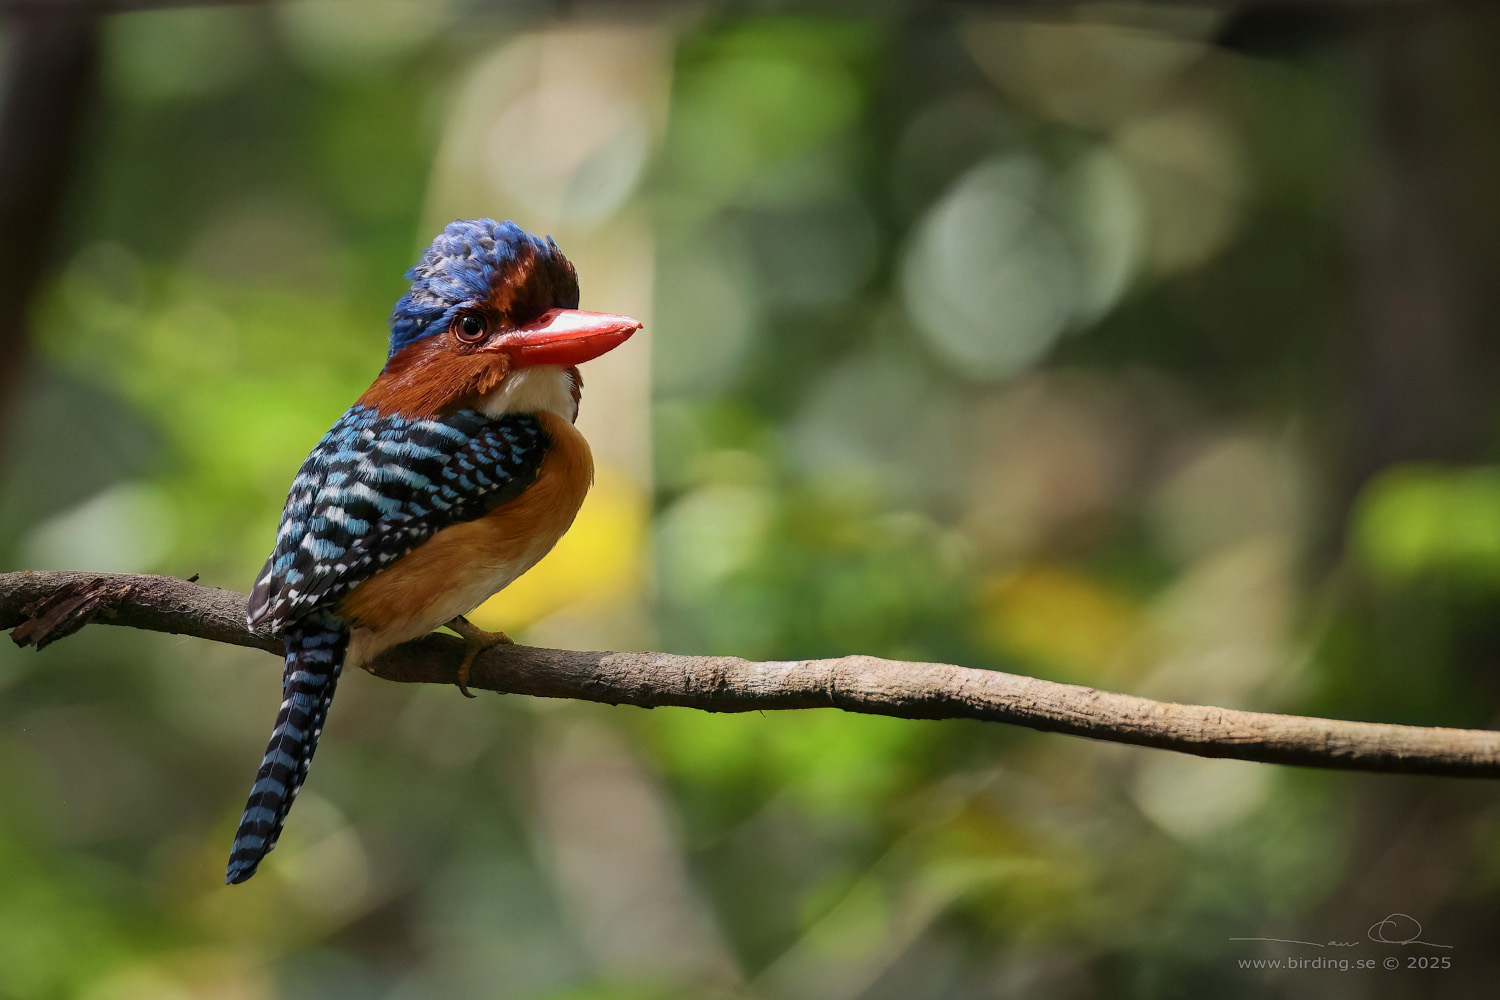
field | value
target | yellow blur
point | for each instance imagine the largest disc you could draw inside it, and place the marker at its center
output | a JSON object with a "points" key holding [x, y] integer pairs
{"points": [[599, 560]]}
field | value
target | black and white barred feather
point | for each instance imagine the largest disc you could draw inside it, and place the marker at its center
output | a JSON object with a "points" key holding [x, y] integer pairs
{"points": [[375, 488], [314, 657], [372, 490]]}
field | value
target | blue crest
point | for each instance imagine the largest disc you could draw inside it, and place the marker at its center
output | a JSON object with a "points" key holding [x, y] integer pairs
{"points": [[461, 267]]}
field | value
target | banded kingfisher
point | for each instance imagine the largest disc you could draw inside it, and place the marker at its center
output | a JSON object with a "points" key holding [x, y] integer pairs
{"points": [[454, 473]]}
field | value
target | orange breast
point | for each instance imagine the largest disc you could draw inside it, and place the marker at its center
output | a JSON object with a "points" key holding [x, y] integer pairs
{"points": [[461, 566]]}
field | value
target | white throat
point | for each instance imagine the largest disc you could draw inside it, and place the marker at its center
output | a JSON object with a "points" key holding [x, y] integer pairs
{"points": [[531, 390]]}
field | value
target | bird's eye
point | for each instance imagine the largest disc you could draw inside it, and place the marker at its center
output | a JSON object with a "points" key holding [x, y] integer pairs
{"points": [[471, 327]]}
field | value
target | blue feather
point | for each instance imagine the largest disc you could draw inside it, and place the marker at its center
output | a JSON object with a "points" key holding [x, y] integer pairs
{"points": [[377, 486], [314, 657], [372, 490], [458, 272]]}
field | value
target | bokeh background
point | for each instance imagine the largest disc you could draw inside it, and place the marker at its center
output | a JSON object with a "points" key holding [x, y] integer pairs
{"points": [[1146, 347]]}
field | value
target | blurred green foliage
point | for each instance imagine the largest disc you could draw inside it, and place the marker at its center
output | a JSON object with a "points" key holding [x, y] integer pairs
{"points": [[1016, 344]]}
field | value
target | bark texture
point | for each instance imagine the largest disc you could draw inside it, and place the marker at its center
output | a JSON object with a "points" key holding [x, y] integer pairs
{"points": [[43, 607]]}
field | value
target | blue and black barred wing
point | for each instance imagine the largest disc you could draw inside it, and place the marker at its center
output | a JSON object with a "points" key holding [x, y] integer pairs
{"points": [[375, 488]]}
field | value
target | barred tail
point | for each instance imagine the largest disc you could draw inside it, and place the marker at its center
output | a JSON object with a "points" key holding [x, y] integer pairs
{"points": [[314, 656]]}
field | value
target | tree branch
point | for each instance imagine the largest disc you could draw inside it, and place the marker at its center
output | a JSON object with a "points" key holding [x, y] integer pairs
{"points": [[43, 607]]}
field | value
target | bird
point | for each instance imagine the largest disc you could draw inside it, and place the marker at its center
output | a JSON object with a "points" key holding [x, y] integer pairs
{"points": [[453, 474]]}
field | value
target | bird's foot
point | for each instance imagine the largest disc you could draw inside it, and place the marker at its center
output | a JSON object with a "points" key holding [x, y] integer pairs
{"points": [[476, 641]]}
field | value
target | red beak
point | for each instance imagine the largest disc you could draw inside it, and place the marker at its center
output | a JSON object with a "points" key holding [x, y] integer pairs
{"points": [[565, 337]]}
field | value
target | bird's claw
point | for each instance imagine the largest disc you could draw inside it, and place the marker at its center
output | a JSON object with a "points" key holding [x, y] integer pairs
{"points": [[476, 641]]}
